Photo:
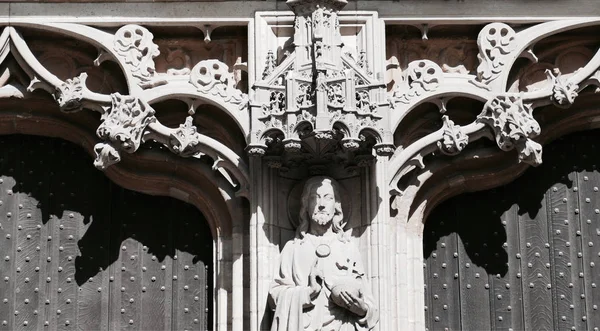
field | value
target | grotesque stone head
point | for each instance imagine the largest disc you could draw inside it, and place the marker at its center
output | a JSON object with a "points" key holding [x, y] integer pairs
{"points": [[321, 203]]}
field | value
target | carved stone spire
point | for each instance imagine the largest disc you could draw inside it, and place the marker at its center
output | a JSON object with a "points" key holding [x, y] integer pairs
{"points": [[317, 33], [305, 7], [319, 102]]}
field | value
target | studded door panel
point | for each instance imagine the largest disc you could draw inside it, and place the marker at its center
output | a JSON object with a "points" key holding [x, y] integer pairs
{"points": [[524, 256], [80, 253]]}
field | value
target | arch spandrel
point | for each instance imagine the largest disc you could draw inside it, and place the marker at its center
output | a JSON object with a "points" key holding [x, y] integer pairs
{"points": [[193, 182], [521, 130]]}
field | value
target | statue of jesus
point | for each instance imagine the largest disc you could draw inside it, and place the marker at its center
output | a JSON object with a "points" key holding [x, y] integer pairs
{"points": [[321, 284]]}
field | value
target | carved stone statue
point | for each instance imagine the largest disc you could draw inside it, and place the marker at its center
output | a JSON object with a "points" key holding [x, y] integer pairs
{"points": [[321, 284]]}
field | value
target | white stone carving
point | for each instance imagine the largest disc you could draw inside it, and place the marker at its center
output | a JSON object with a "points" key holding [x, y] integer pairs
{"points": [[422, 76], [513, 125], [106, 155], [321, 81], [336, 95], [69, 95], [184, 141], [363, 102], [276, 105], [455, 140], [496, 42], [363, 62], [125, 121], [213, 77], [134, 45], [270, 64], [563, 92], [306, 96], [321, 281]]}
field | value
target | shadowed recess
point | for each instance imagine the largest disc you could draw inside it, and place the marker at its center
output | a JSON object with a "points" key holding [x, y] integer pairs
{"points": [[90, 229]]}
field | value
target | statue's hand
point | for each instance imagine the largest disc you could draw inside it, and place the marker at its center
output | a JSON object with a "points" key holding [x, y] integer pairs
{"points": [[315, 280], [354, 303]]}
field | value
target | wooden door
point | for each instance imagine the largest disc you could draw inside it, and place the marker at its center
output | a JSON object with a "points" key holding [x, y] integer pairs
{"points": [[80, 253], [525, 256]]}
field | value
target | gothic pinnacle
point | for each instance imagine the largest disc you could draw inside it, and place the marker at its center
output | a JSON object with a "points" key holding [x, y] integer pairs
{"points": [[304, 7]]}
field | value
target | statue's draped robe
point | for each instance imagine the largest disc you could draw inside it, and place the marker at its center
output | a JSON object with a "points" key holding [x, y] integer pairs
{"points": [[294, 309]]}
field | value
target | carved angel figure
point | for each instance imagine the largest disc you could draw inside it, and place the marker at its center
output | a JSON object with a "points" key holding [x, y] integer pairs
{"points": [[321, 284]]}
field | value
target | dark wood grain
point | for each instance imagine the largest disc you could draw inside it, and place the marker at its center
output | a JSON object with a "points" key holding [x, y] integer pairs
{"points": [[80, 253], [549, 225]]}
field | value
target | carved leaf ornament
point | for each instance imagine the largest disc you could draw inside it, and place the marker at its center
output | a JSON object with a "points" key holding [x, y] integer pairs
{"points": [[563, 93], [422, 76], [124, 123], [513, 125], [185, 139], [213, 77], [134, 45], [128, 119], [70, 94], [495, 43], [508, 115], [455, 140]]}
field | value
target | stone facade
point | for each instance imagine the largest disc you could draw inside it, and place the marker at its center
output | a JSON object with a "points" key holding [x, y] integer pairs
{"points": [[232, 109]]}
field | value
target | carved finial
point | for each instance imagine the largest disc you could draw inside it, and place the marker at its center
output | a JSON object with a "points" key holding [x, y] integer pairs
{"points": [[70, 94], [455, 140], [363, 62], [303, 7], [270, 64], [563, 92]]}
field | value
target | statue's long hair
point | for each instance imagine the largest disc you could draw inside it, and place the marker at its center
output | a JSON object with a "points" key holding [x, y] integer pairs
{"points": [[338, 223]]}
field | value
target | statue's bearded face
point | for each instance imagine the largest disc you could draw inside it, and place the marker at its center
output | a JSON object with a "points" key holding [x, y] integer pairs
{"points": [[321, 204]]}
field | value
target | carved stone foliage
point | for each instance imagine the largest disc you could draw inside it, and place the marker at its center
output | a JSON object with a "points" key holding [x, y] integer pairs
{"points": [[455, 140], [513, 125], [213, 77], [122, 127], [270, 64], [563, 92], [336, 95], [184, 140], [422, 76], [451, 55], [363, 62], [496, 42], [134, 45], [276, 104], [70, 94], [363, 102], [306, 96], [124, 123]]}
